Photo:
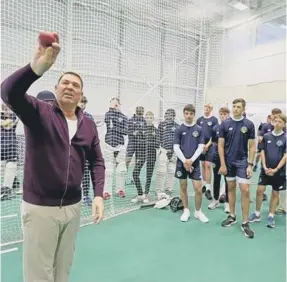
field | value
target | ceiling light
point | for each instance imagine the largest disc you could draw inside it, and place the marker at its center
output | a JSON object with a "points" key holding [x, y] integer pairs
{"points": [[238, 5]]}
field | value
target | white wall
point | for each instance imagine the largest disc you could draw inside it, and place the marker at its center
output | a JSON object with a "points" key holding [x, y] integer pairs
{"points": [[254, 72]]}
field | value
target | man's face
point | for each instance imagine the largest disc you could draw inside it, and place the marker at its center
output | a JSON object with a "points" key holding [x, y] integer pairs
{"points": [[69, 90], [278, 123], [114, 104], [149, 119], [207, 110], [188, 117], [223, 116], [237, 109]]}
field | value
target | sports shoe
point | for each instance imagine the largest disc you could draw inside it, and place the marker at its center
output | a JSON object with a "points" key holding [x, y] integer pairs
{"points": [[208, 195], [146, 199], [248, 232], [201, 216], [228, 221], [254, 218], [185, 216], [270, 222], [226, 208], [138, 198], [162, 195], [213, 205]]}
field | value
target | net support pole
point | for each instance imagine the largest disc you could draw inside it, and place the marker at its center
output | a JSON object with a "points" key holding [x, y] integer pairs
{"points": [[206, 68], [199, 65], [162, 50], [69, 36], [120, 58]]}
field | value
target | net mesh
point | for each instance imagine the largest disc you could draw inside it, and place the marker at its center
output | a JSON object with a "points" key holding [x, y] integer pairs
{"points": [[146, 53]]}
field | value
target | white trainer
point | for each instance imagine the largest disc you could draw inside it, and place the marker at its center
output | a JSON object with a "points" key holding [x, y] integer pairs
{"points": [[138, 199], [213, 205], [226, 208], [201, 216], [185, 216]]}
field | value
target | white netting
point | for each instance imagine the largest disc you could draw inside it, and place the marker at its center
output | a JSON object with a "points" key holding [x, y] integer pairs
{"points": [[147, 53]]}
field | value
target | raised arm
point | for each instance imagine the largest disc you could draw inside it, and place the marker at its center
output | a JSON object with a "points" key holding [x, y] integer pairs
{"points": [[13, 89], [13, 94], [97, 165]]}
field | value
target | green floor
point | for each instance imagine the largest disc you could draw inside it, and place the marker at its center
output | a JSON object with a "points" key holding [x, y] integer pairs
{"points": [[154, 246]]}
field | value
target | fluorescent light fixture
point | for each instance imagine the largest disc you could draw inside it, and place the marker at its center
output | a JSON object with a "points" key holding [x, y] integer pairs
{"points": [[238, 5]]}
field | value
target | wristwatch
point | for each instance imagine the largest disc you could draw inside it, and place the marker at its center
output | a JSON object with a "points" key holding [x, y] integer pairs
{"points": [[251, 164]]}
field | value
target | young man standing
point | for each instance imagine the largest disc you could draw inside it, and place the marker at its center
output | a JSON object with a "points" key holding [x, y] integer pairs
{"points": [[273, 170], [207, 122], [188, 145], [236, 148], [223, 114]]}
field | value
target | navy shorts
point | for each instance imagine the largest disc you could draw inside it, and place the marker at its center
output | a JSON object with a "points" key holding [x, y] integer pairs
{"points": [[237, 169], [277, 181], [181, 173], [130, 149], [259, 147], [208, 156]]}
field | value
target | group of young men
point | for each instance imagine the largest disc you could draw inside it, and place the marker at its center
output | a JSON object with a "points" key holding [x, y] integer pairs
{"points": [[191, 150]]}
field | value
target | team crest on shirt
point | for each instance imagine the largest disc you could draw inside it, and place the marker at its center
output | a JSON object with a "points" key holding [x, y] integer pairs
{"points": [[244, 129], [209, 123], [195, 134], [279, 143], [173, 128], [179, 173], [201, 122], [120, 119]]}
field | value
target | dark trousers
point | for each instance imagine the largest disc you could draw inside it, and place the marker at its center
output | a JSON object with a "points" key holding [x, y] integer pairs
{"points": [[217, 180], [86, 180], [143, 157]]}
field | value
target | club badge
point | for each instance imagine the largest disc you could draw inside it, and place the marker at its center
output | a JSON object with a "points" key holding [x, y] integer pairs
{"points": [[244, 129]]}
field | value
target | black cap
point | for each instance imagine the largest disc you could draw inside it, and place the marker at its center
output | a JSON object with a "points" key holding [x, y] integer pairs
{"points": [[46, 95]]}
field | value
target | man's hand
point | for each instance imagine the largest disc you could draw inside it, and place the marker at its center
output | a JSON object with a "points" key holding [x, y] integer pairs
{"points": [[249, 172], [271, 171], [45, 57], [223, 170], [98, 209], [187, 165]]}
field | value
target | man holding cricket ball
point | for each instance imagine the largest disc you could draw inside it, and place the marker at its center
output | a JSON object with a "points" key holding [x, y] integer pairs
{"points": [[59, 140]]}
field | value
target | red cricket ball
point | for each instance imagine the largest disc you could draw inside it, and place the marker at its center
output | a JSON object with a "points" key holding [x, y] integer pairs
{"points": [[46, 38]]}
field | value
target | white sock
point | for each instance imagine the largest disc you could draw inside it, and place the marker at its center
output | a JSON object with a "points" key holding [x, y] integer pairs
{"points": [[197, 212], [208, 186], [10, 174], [257, 213], [271, 214]]}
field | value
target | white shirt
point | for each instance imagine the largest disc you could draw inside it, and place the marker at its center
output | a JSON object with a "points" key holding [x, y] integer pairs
{"points": [[72, 128]]}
